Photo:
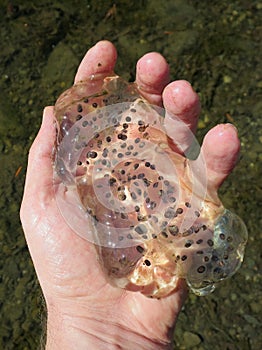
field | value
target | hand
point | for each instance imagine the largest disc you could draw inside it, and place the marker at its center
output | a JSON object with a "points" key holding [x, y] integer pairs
{"points": [[84, 311]]}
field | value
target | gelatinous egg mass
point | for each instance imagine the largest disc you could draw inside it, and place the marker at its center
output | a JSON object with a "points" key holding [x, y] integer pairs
{"points": [[121, 185]]}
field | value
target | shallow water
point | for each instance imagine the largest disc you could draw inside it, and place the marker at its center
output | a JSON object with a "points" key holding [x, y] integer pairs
{"points": [[217, 48]]}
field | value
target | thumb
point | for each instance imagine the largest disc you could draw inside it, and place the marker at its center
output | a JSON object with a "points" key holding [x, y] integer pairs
{"points": [[39, 177]]}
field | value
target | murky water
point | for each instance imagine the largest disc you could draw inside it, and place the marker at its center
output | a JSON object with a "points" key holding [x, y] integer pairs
{"points": [[217, 48]]}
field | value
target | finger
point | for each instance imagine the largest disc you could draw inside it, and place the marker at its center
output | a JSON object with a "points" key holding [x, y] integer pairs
{"points": [[39, 177], [182, 107], [220, 149], [101, 58], [152, 75]]}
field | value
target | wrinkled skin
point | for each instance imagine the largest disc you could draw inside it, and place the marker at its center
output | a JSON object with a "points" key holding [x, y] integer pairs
{"points": [[83, 308]]}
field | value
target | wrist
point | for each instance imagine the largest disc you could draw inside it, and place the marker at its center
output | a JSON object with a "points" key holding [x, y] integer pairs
{"points": [[64, 332]]}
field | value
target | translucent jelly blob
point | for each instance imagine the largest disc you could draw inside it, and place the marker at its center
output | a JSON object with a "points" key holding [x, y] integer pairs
{"points": [[126, 185]]}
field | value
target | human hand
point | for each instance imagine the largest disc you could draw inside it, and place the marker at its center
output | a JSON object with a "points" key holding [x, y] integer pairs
{"points": [[84, 311]]}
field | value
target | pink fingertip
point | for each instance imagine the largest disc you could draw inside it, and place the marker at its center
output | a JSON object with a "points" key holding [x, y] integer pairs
{"points": [[221, 148], [152, 73], [100, 58], [181, 100]]}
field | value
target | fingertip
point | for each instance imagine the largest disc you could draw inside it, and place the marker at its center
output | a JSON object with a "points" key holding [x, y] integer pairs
{"points": [[182, 108], [223, 143], [101, 58], [221, 147], [152, 75], [152, 71], [180, 100]]}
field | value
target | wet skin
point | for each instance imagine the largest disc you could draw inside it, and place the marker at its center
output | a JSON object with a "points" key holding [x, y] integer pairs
{"points": [[82, 307]]}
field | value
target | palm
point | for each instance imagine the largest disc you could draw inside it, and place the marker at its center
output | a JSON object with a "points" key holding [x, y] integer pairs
{"points": [[67, 268]]}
